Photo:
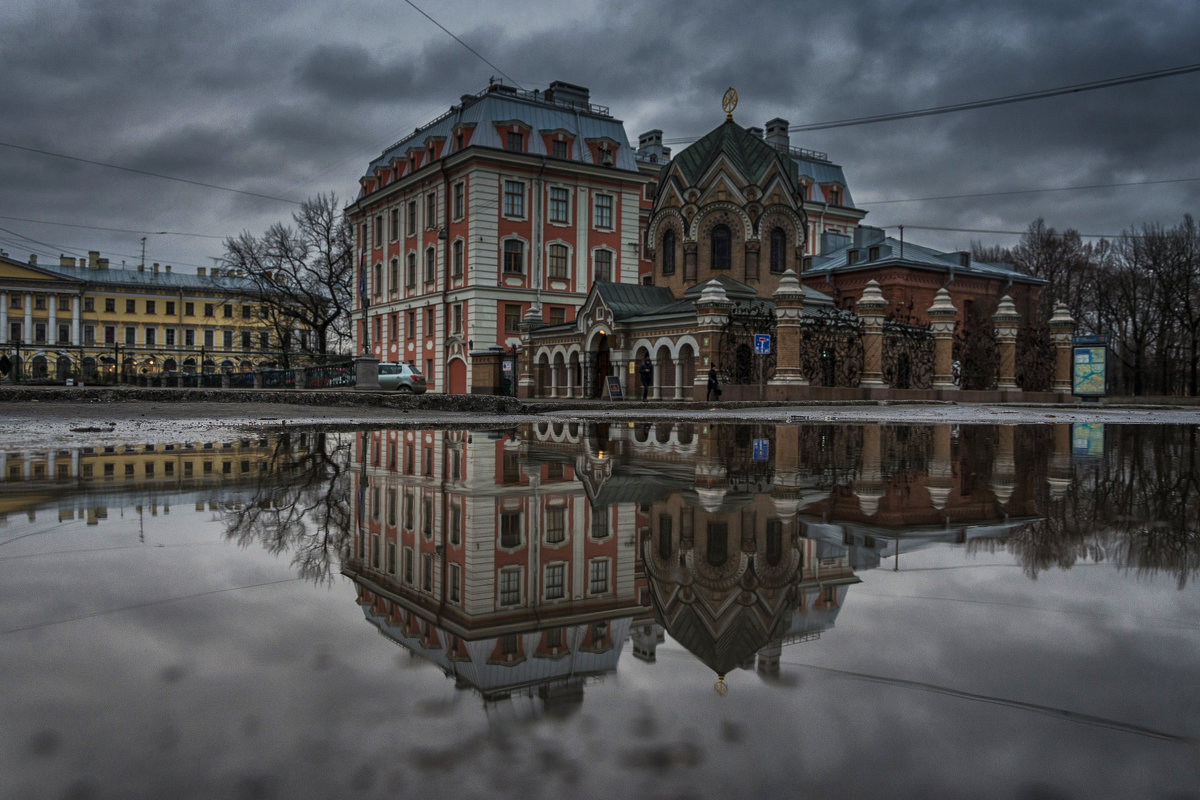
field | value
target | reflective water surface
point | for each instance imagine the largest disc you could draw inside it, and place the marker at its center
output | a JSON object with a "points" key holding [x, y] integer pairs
{"points": [[685, 610]]}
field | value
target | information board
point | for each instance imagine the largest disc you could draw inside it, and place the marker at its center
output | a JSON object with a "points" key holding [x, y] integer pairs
{"points": [[1089, 369], [614, 388]]}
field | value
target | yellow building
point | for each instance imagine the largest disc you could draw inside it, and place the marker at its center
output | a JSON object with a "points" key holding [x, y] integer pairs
{"points": [[90, 322]]}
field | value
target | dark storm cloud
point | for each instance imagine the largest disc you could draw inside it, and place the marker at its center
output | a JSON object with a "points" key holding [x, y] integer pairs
{"points": [[294, 100]]}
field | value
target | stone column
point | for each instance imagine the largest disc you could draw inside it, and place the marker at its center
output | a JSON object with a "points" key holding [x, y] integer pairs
{"points": [[52, 319], [941, 324], [3, 316], [1062, 333], [1006, 320], [27, 333], [940, 480], [1004, 468], [76, 330], [789, 313], [678, 379], [553, 379], [527, 384], [570, 375], [752, 250], [869, 488], [870, 310], [689, 262], [712, 312]]}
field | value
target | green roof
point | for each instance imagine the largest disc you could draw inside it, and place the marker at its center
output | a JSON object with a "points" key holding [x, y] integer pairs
{"points": [[750, 154], [631, 299]]}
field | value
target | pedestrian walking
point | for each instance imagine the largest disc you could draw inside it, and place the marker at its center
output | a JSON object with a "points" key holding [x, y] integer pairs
{"points": [[714, 385], [646, 373]]}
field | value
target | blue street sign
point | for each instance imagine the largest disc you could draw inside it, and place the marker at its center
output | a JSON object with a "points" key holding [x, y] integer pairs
{"points": [[762, 343], [762, 449]]}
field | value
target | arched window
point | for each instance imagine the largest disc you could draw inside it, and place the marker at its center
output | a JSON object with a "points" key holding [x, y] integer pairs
{"points": [[720, 247], [778, 250], [668, 253]]}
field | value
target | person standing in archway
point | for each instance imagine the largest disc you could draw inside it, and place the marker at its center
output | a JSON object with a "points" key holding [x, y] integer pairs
{"points": [[646, 373]]}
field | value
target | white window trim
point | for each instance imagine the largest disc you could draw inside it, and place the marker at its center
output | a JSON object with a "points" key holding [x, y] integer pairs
{"points": [[566, 594], [524, 255], [570, 259], [612, 211], [608, 580], [614, 263], [524, 199], [520, 572], [570, 199]]}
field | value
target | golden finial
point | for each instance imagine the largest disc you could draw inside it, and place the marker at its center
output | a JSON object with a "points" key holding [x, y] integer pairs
{"points": [[721, 687], [729, 102]]}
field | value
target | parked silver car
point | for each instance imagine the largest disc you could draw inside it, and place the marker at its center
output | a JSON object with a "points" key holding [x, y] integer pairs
{"points": [[402, 378]]}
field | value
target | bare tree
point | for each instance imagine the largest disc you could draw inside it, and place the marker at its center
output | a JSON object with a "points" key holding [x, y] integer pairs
{"points": [[303, 273]]}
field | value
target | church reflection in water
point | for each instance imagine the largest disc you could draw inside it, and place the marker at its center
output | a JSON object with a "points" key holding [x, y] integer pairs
{"points": [[521, 561]]}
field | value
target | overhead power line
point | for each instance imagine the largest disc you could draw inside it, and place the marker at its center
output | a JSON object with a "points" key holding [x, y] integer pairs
{"points": [[1010, 233], [114, 230], [1028, 191], [1039, 94], [420, 11], [137, 171]]}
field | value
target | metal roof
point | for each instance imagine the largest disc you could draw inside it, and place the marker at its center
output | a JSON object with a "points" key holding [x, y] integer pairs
{"points": [[750, 154], [837, 260], [503, 104]]}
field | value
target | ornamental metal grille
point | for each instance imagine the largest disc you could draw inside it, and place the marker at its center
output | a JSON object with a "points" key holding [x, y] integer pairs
{"points": [[907, 354], [976, 353], [831, 348], [737, 364], [1035, 358]]}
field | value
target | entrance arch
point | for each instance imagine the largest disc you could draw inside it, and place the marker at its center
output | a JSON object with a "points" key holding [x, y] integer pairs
{"points": [[600, 363]]}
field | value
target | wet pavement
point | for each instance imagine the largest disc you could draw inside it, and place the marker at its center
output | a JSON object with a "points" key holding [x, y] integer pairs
{"points": [[596, 607]]}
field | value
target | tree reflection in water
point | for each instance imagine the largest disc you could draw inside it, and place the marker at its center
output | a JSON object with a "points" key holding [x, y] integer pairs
{"points": [[300, 503]]}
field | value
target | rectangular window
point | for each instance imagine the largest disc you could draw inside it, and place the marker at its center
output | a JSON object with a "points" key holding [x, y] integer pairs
{"points": [[150, 306], [170, 311], [458, 258], [556, 525], [64, 334], [394, 327], [110, 304], [514, 256], [245, 340], [391, 558], [170, 337], [209, 338], [189, 337], [510, 529], [189, 309], [428, 329], [377, 238], [458, 319], [560, 205], [598, 576], [394, 228], [558, 315], [246, 311], [512, 317], [408, 565], [410, 326], [431, 210], [129, 306], [602, 212], [130, 335], [599, 523], [210, 309], [227, 340], [89, 304], [514, 141], [555, 581], [430, 265], [427, 572], [557, 261], [558, 149], [510, 586], [410, 271], [64, 303], [89, 334], [602, 268], [14, 301], [394, 276], [411, 222], [110, 333], [460, 203], [455, 582], [39, 332], [151, 336], [227, 311], [514, 199]]}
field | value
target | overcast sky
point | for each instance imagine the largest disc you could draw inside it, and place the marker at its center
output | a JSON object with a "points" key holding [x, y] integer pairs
{"points": [[288, 100]]}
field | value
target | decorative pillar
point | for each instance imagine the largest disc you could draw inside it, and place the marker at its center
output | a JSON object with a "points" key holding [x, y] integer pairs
{"points": [[870, 310], [940, 479], [1004, 467], [3, 316], [789, 313], [1006, 320], [75, 321], [27, 331], [941, 324], [52, 319], [1062, 333], [712, 313], [527, 385], [678, 379], [1058, 474], [752, 250], [689, 262]]}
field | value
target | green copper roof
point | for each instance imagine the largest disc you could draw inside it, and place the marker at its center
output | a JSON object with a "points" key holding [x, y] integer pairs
{"points": [[749, 154]]}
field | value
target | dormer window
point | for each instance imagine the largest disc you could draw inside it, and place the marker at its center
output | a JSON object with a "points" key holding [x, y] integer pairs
{"points": [[852, 257], [558, 149], [606, 156], [873, 253], [515, 142]]}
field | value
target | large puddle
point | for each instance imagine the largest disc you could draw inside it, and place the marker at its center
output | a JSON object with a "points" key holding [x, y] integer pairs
{"points": [[686, 610]]}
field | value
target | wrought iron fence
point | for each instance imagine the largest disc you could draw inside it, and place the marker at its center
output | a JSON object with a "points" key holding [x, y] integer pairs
{"points": [[736, 360], [907, 354], [1035, 358], [831, 348]]}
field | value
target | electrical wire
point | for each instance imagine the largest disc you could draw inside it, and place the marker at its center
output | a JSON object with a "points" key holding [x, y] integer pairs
{"points": [[464, 44], [115, 230]]}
